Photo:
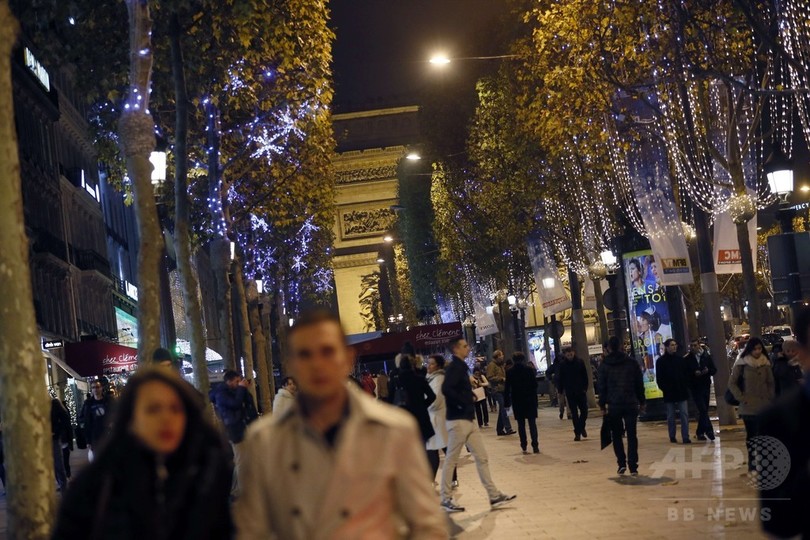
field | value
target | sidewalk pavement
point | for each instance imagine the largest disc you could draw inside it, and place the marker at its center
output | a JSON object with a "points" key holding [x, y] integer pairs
{"points": [[571, 490]]}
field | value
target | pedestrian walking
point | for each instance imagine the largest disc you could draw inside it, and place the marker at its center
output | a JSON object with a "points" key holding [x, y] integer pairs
{"points": [[787, 421], [478, 380], [285, 398], [163, 473], [787, 370], [94, 418], [703, 369], [752, 384], [368, 384], [621, 397], [341, 464], [461, 429], [572, 382], [438, 415], [235, 407], [521, 390], [418, 395], [673, 375], [60, 434], [496, 374]]}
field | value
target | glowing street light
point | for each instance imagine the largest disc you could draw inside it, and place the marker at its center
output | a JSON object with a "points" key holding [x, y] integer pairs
{"points": [[388, 238], [439, 59], [413, 156]]}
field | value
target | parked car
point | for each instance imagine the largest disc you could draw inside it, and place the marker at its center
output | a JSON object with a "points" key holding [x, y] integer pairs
{"points": [[785, 332], [773, 339]]}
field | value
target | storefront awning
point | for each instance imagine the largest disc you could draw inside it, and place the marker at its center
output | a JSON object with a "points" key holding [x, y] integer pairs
{"points": [[62, 364], [425, 339], [97, 358]]}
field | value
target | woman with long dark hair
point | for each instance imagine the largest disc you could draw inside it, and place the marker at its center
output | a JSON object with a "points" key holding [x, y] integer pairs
{"points": [[752, 384], [162, 473], [417, 395]]}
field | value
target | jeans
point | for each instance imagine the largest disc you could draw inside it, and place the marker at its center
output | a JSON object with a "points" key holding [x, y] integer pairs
{"points": [[459, 433], [481, 412], [237, 460], [704, 423], [684, 414], [751, 430], [579, 410], [58, 464], [504, 426], [624, 418], [521, 425]]}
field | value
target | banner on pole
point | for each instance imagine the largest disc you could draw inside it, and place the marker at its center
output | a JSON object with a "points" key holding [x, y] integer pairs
{"points": [[485, 324], [656, 204], [589, 294], [727, 259], [550, 287]]}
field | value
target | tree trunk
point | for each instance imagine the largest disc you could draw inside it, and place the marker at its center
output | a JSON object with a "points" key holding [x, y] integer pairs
{"points": [[600, 310], [220, 264], [182, 239], [691, 319], [137, 139], [281, 325], [245, 340], [712, 318], [260, 348], [266, 322], [23, 399], [749, 280], [579, 334]]}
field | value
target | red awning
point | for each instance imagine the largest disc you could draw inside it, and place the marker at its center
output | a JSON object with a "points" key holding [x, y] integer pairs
{"points": [[424, 339], [97, 358]]}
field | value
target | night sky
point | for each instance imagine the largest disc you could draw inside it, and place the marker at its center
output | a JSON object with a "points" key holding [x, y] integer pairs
{"points": [[382, 45]]}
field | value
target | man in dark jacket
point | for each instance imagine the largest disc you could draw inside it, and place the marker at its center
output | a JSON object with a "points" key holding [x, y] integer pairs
{"points": [[702, 368], [94, 416], [787, 372], [788, 421], [673, 375], [461, 430], [235, 407], [621, 397], [572, 380], [521, 390], [496, 374]]}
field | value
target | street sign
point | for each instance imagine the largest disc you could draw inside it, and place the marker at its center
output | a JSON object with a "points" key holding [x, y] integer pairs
{"points": [[48, 344], [556, 330]]}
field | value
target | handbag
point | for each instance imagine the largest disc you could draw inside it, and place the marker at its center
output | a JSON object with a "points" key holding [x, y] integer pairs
{"points": [[479, 393], [728, 396]]}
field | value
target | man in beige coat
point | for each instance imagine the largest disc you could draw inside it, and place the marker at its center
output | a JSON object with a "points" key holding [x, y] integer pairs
{"points": [[340, 465]]}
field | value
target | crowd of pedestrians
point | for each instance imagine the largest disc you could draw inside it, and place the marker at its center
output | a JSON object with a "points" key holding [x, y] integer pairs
{"points": [[337, 460]]}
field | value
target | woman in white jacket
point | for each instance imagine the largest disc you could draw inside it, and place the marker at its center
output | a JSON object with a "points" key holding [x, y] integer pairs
{"points": [[438, 414]]}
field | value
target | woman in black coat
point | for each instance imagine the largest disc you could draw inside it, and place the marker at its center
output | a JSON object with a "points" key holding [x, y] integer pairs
{"points": [[417, 395], [164, 472], [521, 388]]}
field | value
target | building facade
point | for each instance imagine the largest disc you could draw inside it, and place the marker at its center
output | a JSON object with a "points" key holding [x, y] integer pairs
{"points": [[370, 146]]}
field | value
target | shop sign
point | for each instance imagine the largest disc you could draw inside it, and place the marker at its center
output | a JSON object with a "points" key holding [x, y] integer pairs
{"points": [[48, 344], [37, 69]]}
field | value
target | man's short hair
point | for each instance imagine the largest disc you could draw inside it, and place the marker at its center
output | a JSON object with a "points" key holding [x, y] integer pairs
{"points": [[567, 348], [801, 327], [162, 355], [518, 358], [497, 353], [455, 341], [667, 342], [613, 344], [313, 317], [286, 380], [230, 375]]}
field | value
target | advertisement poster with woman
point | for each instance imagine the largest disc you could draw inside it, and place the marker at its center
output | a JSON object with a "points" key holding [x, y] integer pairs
{"points": [[650, 324]]}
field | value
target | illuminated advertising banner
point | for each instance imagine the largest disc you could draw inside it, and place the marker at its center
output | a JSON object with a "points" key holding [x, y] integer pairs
{"points": [[650, 324]]}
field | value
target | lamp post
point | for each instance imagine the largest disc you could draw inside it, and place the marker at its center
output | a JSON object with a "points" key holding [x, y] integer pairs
{"points": [[611, 264], [785, 267]]}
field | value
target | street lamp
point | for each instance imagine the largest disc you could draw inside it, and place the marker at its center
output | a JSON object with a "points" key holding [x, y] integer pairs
{"points": [[439, 59], [158, 161], [413, 156], [608, 259], [779, 171]]}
